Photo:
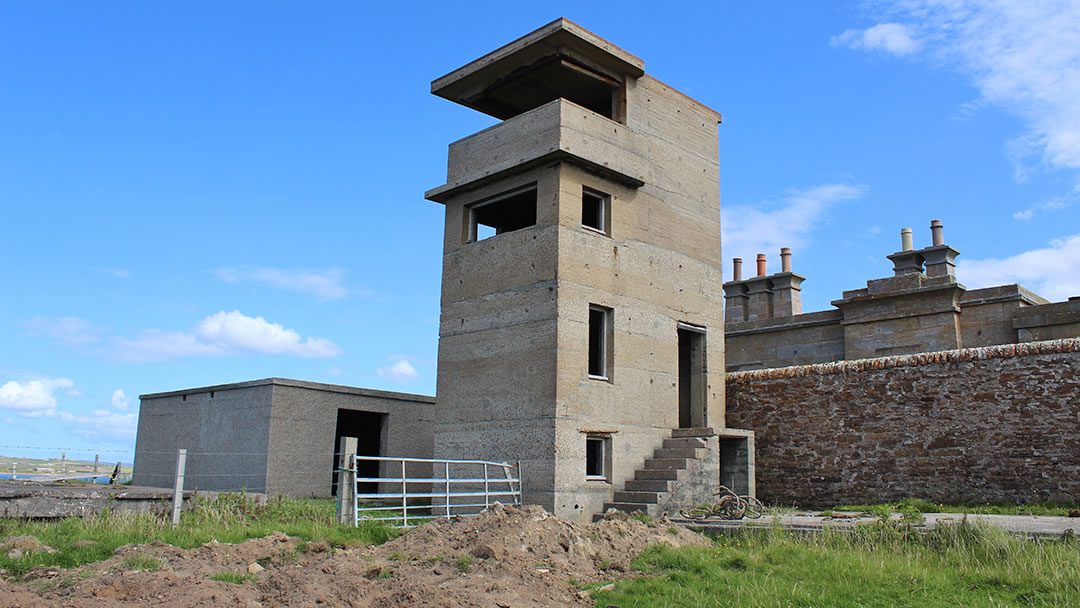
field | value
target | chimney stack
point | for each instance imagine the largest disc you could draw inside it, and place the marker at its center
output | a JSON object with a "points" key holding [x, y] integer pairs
{"points": [[786, 288], [736, 269], [940, 259], [907, 260], [761, 265]]}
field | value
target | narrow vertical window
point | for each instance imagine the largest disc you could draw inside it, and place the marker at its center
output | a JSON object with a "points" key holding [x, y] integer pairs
{"points": [[600, 336], [595, 210], [597, 458]]}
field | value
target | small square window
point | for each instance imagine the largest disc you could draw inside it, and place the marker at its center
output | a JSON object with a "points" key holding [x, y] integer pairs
{"points": [[595, 210], [597, 458], [600, 339]]}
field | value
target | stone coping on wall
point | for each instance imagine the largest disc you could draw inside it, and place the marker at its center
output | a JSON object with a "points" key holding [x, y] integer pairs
{"points": [[1000, 351]]}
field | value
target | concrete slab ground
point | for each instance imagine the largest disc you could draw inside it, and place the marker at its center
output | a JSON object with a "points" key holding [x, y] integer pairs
{"points": [[1036, 526]]}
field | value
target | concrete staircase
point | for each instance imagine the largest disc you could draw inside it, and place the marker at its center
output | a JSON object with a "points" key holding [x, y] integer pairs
{"points": [[668, 466]]}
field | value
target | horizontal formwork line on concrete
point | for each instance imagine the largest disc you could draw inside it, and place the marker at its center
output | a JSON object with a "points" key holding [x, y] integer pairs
{"points": [[435, 495]]}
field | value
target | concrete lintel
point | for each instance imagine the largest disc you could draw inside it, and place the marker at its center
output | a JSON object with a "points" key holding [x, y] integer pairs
{"points": [[734, 433]]}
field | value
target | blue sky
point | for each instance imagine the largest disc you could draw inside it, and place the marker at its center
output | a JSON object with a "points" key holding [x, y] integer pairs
{"points": [[202, 193]]}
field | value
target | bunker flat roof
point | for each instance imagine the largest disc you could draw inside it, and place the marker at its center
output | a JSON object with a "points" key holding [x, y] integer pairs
{"points": [[319, 386]]}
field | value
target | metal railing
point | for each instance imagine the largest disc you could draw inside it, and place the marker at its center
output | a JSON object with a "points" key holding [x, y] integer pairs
{"points": [[420, 489]]}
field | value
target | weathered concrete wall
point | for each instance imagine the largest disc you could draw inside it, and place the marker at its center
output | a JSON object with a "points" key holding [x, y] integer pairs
{"points": [[302, 430], [992, 424], [225, 429], [497, 339]]}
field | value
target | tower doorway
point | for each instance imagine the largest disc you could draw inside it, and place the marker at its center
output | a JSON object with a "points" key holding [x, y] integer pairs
{"points": [[692, 376]]}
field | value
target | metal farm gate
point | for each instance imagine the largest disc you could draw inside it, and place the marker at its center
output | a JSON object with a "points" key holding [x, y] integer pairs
{"points": [[409, 491]]}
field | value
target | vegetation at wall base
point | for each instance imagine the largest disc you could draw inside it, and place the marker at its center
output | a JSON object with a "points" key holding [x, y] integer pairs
{"points": [[925, 506], [876, 565], [228, 518]]}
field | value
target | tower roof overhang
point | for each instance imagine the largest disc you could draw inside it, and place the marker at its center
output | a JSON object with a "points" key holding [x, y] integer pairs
{"points": [[561, 59]]}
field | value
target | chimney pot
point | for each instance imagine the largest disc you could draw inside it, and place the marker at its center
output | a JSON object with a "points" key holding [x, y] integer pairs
{"points": [[935, 231], [905, 240], [785, 259], [761, 265], [737, 269]]}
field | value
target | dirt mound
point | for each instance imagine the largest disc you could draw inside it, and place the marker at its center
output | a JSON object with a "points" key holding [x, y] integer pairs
{"points": [[506, 556]]}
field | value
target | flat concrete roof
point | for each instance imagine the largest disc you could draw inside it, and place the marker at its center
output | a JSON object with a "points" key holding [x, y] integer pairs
{"points": [[318, 386], [476, 84]]}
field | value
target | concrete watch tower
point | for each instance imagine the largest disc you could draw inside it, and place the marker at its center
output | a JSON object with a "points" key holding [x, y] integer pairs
{"points": [[581, 329]]}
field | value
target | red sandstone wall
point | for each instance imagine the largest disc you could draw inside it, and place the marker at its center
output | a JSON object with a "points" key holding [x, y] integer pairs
{"points": [[999, 423]]}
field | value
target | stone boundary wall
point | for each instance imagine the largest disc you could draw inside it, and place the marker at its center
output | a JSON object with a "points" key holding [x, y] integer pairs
{"points": [[996, 423]]}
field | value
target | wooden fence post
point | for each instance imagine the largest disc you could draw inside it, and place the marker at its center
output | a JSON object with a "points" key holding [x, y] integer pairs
{"points": [[346, 487], [178, 489]]}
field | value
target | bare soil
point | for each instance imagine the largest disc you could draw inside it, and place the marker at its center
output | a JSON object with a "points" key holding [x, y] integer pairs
{"points": [[505, 557]]}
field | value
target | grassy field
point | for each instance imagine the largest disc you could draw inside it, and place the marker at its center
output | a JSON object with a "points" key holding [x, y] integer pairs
{"points": [[925, 506], [878, 565], [230, 518]]}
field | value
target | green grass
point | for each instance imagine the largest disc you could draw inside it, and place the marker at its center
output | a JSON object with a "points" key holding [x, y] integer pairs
{"points": [[229, 518], [877, 565], [142, 562], [464, 562], [925, 506], [236, 578]]}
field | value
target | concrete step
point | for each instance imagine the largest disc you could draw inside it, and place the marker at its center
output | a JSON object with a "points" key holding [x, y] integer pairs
{"points": [[665, 463], [649, 498], [698, 432], [629, 507], [653, 474], [647, 485], [686, 442], [679, 453]]}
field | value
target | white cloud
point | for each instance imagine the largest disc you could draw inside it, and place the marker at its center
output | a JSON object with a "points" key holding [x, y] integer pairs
{"points": [[235, 330], [154, 345], [1052, 272], [219, 334], [400, 371], [323, 284], [766, 227], [893, 38], [119, 400], [72, 331], [1054, 204], [120, 273], [1022, 55], [34, 397]]}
